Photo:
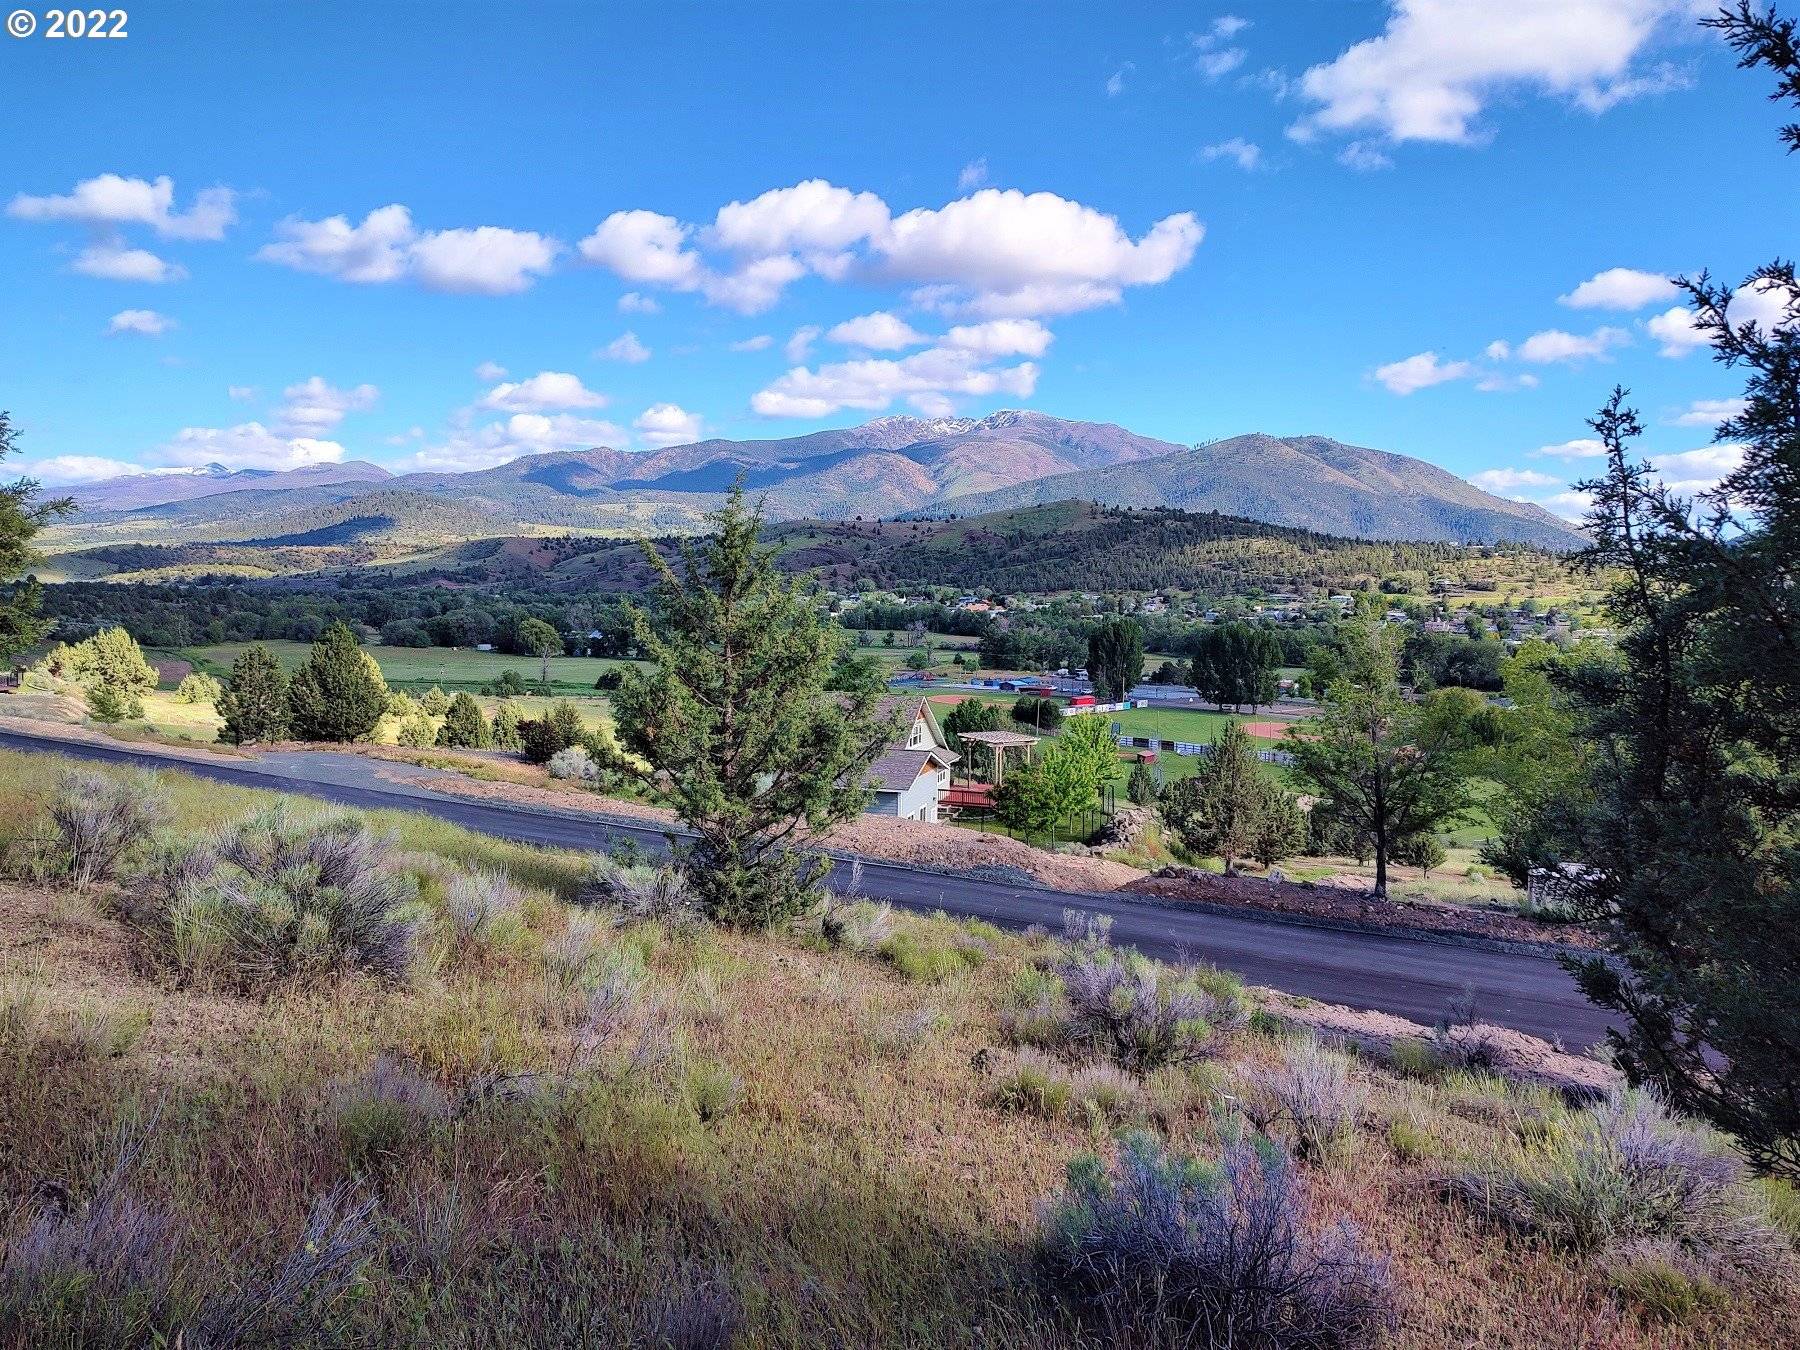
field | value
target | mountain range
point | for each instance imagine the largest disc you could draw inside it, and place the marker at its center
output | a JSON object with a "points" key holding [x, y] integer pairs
{"points": [[889, 467]]}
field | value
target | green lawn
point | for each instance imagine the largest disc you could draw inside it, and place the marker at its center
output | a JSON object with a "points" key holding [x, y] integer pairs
{"points": [[418, 668]]}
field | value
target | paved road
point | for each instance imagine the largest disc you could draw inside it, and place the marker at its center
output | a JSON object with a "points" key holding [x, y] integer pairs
{"points": [[1409, 977]]}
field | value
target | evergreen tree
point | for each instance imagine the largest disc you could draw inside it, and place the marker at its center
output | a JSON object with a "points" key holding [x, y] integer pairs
{"points": [[1142, 787], [255, 702], [22, 514], [735, 712], [1281, 828], [464, 726], [560, 727], [1115, 660], [505, 728], [111, 660], [1221, 808], [339, 694], [1387, 768], [1687, 839], [435, 703]]}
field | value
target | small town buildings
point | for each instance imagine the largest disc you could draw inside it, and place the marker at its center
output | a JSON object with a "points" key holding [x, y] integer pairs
{"points": [[912, 774]]}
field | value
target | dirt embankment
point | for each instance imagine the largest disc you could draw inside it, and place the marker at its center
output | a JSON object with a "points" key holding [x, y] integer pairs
{"points": [[1341, 904]]}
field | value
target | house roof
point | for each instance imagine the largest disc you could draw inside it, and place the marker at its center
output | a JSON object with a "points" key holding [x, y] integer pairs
{"points": [[897, 770], [1003, 739]]}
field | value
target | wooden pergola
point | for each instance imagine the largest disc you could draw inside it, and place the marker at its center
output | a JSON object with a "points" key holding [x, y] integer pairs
{"points": [[999, 742]]}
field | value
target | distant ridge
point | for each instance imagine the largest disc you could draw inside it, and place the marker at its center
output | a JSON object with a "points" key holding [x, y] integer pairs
{"points": [[891, 466]]}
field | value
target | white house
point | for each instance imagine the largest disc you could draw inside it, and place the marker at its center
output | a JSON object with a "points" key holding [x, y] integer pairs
{"points": [[914, 771]]}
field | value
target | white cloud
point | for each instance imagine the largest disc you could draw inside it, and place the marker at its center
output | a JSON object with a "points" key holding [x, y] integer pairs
{"points": [[1115, 85], [1619, 288], [385, 247], [144, 321], [490, 372], [880, 332], [1245, 154], [761, 342], [1553, 346], [755, 286], [1695, 471], [524, 433], [1709, 412], [1214, 56], [110, 201], [929, 379], [1008, 254], [1584, 448], [547, 391], [645, 247], [486, 260], [240, 393], [1570, 505], [63, 469], [972, 175], [633, 303], [112, 261], [1001, 337], [1421, 372], [626, 348], [1512, 480], [1438, 63], [1364, 157], [813, 217], [314, 406], [1493, 382], [667, 424], [1762, 304], [249, 445], [800, 344]]}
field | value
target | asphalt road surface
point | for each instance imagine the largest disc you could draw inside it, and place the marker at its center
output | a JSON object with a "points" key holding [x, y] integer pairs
{"points": [[1410, 977]]}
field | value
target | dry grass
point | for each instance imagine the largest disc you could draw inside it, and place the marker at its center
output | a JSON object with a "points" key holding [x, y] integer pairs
{"points": [[789, 1138]]}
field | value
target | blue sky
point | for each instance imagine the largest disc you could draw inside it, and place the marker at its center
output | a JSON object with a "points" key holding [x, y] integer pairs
{"points": [[441, 236]]}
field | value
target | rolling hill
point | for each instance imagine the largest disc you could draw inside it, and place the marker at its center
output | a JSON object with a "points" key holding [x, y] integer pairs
{"points": [[893, 466]]}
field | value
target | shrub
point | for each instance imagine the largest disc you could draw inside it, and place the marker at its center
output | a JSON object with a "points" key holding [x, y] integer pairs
{"points": [[435, 702], [857, 926], [1134, 1013], [1312, 1091], [713, 1090], [31, 1033], [699, 1312], [573, 763], [571, 955], [1621, 1173], [643, 892], [199, 687], [386, 1112], [108, 705], [558, 729], [1663, 1281], [98, 817], [480, 904], [417, 733], [927, 957], [278, 897], [1175, 1251], [464, 726], [1094, 1093]]}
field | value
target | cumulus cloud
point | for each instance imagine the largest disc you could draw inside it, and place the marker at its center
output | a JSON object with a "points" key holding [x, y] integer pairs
{"points": [[973, 175], [490, 372], [1585, 448], [1438, 64], [1421, 372], [754, 286], [1709, 412], [1762, 304], [240, 393], [761, 342], [504, 440], [664, 424], [930, 380], [1553, 346], [111, 260], [249, 445], [110, 201], [1694, 471], [645, 247], [1214, 54], [314, 406], [1245, 154], [1001, 337], [1512, 480], [880, 332], [386, 247], [547, 391], [1012, 254], [814, 217], [632, 302], [1364, 157], [146, 322], [1570, 505], [627, 348], [800, 343], [62, 470], [1621, 288]]}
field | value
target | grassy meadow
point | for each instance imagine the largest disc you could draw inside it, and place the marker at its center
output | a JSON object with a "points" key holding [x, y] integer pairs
{"points": [[568, 1126]]}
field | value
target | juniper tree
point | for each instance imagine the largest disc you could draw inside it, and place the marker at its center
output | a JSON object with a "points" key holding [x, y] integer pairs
{"points": [[339, 694], [22, 514], [464, 726], [734, 715], [255, 702]]}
